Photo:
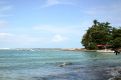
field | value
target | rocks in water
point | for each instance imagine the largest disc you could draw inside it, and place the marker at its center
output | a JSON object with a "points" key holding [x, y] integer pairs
{"points": [[65, 64], [116, 74], [115, 78], [39, 78]]}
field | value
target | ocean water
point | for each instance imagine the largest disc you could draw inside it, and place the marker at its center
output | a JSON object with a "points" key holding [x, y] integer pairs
{"points": [[48, 64]]}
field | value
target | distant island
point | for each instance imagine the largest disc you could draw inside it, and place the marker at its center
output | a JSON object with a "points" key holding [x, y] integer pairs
{"points": [[102, 35]]}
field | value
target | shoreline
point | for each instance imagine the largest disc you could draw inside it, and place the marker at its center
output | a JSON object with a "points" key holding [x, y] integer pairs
{"points": [[78, 49], [64, 49]]}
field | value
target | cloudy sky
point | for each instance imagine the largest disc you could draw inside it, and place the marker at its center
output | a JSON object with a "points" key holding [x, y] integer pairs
{"points": [[52, 23]]}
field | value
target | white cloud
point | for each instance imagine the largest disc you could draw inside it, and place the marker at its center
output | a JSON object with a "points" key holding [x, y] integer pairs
{"points": [[61, 33], [98, 10], [3, 23], [4, 35], [21, 39], [49, 3], [27, 39], [110, 13], [52, 2], [58, 29], [5, 9], [50, 35], [58, 38]]}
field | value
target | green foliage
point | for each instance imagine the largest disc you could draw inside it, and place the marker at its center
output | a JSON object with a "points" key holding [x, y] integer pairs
{"points": [[101, 33], [116, 33], [117, 42]]}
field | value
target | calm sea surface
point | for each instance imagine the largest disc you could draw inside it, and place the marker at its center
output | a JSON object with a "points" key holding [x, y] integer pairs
{"points": [[45, 64]]}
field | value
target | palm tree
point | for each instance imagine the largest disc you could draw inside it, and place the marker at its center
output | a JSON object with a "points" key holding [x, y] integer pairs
{"points": [[95, 22], [99, 33]]}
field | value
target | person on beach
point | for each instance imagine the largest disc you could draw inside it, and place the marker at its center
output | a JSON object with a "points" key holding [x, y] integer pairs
{"points": [[116, 51]]}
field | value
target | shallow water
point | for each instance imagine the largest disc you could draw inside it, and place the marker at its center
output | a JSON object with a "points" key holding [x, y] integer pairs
{"points": [[43, 64]]}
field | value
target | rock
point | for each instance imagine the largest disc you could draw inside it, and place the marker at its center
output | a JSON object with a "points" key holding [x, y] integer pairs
{"points": [[115, 78], [65, 64], [115, 73]]}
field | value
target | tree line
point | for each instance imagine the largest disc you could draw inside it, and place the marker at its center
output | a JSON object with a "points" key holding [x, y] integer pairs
{"points": [[102, 33]]}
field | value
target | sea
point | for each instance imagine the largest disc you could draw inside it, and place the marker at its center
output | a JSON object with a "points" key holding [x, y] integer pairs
{"points": [[57, 64]]}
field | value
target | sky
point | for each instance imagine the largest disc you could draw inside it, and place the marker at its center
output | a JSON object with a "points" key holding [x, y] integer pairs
{"points": [[52, 23]]}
